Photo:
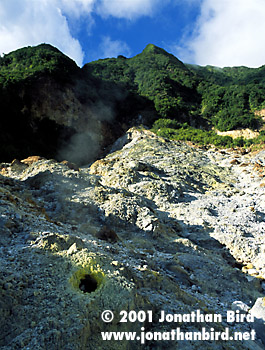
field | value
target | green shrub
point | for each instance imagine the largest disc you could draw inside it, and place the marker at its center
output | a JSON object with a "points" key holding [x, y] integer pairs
{"points": [[173, 130]]}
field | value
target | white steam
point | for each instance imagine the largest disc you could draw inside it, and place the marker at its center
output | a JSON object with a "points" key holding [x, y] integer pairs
{"points": [[85, 145]]}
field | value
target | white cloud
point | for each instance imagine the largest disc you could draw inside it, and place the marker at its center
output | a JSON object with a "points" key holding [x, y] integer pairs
{"points": [[228, 33], [27, 22], [113, 48], [130, 9], [31, 22], [77, 8]]}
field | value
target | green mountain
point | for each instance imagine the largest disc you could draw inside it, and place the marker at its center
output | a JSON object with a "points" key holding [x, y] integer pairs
{"points": [[51, 107], [31, 62], [225, 98], [156, 75]]}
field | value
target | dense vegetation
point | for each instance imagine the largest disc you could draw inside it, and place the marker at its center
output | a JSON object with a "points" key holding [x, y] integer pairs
{"points": [[22, 73], [31, 125], [174, 130], [156, 75], [29, 62], [202, 96], [179, 101]]}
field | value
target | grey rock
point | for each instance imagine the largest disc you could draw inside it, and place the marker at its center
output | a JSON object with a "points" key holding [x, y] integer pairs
{"points": [[156, 225], [239, 305], [258, 310]]}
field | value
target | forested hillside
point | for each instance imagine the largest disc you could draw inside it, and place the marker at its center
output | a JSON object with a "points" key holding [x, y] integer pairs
{"points": [[225, 98], [50, 107], [43, 91]]}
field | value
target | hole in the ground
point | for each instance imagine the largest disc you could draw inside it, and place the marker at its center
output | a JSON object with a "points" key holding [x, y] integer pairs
{"points": [[88, 284], [237, 265]]}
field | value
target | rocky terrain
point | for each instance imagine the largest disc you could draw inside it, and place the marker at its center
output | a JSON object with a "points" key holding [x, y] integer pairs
{"points": [[245, 133], [155, 225]]}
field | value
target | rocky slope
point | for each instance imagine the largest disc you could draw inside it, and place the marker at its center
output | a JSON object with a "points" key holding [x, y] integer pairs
{"points": [[155, 225]]}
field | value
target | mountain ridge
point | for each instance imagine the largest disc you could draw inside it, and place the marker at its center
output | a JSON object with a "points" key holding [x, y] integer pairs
{"points": [[41, 89]]}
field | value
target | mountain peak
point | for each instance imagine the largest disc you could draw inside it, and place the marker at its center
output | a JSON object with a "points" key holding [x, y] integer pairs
{"points": [[155, 50], [151, 48]]}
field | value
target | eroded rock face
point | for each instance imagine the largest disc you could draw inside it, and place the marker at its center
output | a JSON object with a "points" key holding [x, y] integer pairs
{"points": [[156, 225]]}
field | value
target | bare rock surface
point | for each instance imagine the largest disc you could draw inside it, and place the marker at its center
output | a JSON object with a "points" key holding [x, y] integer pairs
{"points": [[155, 225]]}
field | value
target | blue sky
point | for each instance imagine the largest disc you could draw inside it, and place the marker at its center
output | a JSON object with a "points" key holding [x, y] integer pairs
{"points": [[215, 32]]}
